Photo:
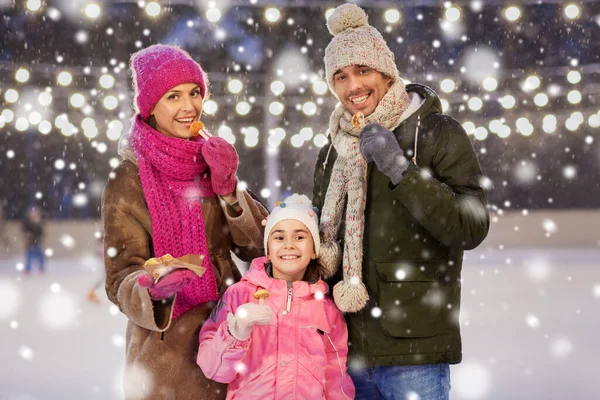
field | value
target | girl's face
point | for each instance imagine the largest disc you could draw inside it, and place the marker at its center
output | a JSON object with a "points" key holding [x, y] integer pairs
{"points": [[177, 110], [290, 249]]}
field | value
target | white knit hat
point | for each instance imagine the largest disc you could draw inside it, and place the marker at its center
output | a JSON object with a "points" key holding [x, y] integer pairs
{"points": [[355, 42], [300, 208]]}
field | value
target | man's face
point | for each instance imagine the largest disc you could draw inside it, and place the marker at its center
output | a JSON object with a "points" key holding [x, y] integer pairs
{"points": [[360, 88]]}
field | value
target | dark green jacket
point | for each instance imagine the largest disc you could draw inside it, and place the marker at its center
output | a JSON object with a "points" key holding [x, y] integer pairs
{"points": [[415, 235]]}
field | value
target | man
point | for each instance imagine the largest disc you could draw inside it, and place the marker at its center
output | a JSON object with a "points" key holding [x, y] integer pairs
{"points": [[402, 193]]}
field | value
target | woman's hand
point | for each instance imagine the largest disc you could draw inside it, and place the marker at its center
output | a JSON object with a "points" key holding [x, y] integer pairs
{"points": [[168, 285], [223, 161]]}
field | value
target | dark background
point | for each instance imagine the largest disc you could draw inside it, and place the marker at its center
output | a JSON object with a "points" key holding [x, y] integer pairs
{"points": [[543, 42]]}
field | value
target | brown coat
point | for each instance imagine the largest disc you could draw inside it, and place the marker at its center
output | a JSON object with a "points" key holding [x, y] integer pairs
{"points": [[161, 353]]}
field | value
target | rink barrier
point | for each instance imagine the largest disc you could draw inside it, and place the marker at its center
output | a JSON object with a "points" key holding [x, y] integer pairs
{"points": [[512, 229]]}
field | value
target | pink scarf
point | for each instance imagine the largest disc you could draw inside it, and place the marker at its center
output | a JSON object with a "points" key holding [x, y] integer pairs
{"points": [[175, 177]]}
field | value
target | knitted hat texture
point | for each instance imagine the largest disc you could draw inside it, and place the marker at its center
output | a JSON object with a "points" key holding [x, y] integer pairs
{"points": [[355, 42], [300, 208], [157, 69]]}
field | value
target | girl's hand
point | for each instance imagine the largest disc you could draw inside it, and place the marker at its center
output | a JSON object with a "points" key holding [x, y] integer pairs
{"points": [[246, 316]]}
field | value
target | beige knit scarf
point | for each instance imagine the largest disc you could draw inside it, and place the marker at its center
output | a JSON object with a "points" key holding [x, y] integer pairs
{"points": [[348, 185]]}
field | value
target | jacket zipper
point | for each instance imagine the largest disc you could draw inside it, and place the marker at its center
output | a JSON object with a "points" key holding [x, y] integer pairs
{"points": [[327, 158], [414, 159], [289, 299]]}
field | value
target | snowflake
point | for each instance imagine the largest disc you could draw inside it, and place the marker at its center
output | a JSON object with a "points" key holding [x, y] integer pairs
{"points": [[596, 290], [138, 382], [10, 299], [532, 321], [561, 347], [111, 252], [58, 310], [549, 226], [26, 352], [240, 367], [472, 381], [376, 312], [537, 269]]}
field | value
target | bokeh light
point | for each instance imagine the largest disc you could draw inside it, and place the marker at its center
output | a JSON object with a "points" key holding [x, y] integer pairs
{"points": [[272, 14], [153, 9], [392, 16], [572, 11], [512, 13]]}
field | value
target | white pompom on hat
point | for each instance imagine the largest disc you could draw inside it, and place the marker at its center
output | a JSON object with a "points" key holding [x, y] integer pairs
{"points": [[300, 208], [355, 42], [346, 16]]}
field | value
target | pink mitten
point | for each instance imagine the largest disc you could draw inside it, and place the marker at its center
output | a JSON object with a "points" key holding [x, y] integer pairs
{"points": [[168, 285], [223, 161]]}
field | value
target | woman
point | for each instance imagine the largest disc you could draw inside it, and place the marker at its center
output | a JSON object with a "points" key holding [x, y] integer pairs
{"points": [[173, 193]]}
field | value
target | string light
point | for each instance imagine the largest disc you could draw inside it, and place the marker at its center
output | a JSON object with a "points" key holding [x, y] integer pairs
{"points": [[153, 9], [512, 13], [311, 80], [392, 16], [92, 11]]}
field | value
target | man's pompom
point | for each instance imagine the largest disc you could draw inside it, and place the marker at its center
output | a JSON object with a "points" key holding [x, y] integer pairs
{"points": [[329, 258], [350, 295], [346, 16]]}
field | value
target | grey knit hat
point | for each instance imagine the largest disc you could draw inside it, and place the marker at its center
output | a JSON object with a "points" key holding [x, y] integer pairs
{"points": [[355, 42]]}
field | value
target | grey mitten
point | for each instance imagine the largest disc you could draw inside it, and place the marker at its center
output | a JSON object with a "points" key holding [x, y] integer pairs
{"points": [[379, 144], [246, 316]]}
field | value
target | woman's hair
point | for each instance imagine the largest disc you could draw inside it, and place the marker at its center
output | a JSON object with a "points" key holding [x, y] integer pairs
{"points": [[152, 121]]}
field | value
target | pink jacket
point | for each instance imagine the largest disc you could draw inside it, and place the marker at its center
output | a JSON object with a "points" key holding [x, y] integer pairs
{"points": [[301, 354]]}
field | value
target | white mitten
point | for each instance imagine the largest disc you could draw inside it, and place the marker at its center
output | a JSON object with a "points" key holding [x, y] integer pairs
{"points": [[246, 316]]}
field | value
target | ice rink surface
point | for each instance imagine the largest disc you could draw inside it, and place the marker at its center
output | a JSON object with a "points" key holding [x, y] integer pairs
{"points": [[529, 319]]}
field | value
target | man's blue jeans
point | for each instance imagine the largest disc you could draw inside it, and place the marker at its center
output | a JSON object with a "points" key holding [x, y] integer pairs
{"points": [[422, 382], [34, 253]]}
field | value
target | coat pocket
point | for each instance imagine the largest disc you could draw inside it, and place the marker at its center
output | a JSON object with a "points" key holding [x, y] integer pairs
{"points": [[257, 382], [311, 380], [312, 360], [410, 298], [311, 350]]}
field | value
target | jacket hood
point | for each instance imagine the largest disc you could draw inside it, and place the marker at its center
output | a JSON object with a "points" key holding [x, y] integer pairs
{"points": [[431, 101], [257, 275]]}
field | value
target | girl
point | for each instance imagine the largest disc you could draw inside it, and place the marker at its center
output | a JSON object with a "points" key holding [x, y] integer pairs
{"points": [[291, 344], [172, 194]]}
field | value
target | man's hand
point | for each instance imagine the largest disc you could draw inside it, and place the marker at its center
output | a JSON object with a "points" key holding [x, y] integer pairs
{"points": [[379, 144]]}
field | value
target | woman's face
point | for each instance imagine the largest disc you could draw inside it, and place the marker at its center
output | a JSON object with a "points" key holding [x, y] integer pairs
{"points": [[177, 110]]}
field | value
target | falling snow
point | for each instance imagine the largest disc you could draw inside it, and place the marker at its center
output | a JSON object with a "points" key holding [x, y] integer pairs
{"points": [[538, 269], [472, 380], [521, 79]]}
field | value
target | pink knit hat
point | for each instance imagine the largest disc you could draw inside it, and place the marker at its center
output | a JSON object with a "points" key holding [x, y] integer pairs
{"points": [[159, 68]]}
